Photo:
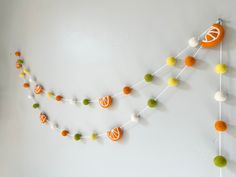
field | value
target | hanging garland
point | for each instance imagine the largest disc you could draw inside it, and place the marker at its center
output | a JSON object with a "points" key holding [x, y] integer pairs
{"points": [[212, 36]]}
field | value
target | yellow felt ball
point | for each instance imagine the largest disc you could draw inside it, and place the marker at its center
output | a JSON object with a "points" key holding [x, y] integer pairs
{"points": [[26, 71], [172, 82], [22, 74], [171, 61], [50, 94], [221, 68], [93, 136]]}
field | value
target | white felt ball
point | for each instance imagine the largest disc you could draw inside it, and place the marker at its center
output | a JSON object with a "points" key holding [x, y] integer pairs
{"points": [[193, 42], [135, 118], [31, 96], [73, 101], [220, 96], [53, 126]]}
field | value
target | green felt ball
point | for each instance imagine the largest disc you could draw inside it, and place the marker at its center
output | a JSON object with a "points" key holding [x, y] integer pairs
{"points": [[20, 61], [86, 101], [220, 161], [77, 137], [36, 105], [152, 103], [148, 78]]}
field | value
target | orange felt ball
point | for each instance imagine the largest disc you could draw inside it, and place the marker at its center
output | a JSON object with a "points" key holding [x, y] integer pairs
{"points": [[127, 90], [220, 126], [17, 53], [64, 132], [59, 98], [189, 61], [26, 85]]}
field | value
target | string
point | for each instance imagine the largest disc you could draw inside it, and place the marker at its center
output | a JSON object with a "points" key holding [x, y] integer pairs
{"points": [[160, 94]]}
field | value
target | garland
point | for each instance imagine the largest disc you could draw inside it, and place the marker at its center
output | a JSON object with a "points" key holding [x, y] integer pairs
{"points": [[209, 38]]}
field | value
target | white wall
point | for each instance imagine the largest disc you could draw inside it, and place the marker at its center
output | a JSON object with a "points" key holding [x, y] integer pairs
{"points": [[91, 48]]}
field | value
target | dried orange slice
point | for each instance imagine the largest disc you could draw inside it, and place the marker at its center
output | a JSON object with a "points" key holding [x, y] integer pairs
{"points": [[214, 36], [38, 89], [105, 101], [115, 134]]}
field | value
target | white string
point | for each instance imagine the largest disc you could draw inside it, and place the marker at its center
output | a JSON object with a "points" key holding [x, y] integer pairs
{"points": [[160, 94]]}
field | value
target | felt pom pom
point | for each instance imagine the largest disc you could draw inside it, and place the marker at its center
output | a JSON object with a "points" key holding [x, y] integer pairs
{"points": [[26, 70], [172, 82], [148, 78], [77, 137], [50, 94], [36, 105], [190, 61], [220, 126], [64, 132], [53, 126], [127, 90], [73, 101], [152, 103], [220, 161], [22, 74], [193, 42], [86, 101], [59, 98], [220, 96], [221, 68], [17, 53], [30, 96], [171, 61], [135, 118], [93, 136], [26, 85]]}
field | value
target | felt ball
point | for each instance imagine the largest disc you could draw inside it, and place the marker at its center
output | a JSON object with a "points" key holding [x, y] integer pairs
{"points": [[26, 70], [64, 132], [21, 61], [135, 118], [31, 96], [189, 61], [73, 101], [26, 85], [127, 90], [22, 74], [152, 103], [50, 94], [220, 126], [77, 137], [171, 61], [220, 96], [93, 136], [59, 98], [172, 82], [32, 79], [86, 101], [221, 68], [148, 78], [220, 161], [193, 42], [18, 53], [53, 126], [36, 105]]}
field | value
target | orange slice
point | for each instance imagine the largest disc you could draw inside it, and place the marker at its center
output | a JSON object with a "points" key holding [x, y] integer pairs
{"points": [[115, 134], [105, 101], [214, 36], [43, 118], [38, 89]]}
